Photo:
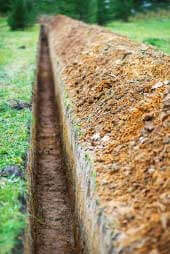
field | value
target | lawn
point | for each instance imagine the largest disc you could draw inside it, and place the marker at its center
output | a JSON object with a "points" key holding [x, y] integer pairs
{"points": [[150, 29], [17, 67]]}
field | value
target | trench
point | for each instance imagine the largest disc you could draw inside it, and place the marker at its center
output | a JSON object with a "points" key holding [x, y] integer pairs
{"points": [[53, 226]]}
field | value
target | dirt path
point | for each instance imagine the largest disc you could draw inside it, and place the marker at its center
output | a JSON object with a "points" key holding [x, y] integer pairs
{"points": [[54, 227]]}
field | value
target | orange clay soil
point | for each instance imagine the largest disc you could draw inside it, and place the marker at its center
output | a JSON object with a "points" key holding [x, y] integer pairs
{"points": [[120, 96]]}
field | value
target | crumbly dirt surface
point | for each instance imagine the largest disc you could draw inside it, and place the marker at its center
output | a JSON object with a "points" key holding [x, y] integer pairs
{"points": [[120, 96], [54, 220]]}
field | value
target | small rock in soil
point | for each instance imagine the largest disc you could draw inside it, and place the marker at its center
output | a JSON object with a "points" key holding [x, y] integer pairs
{"points": [[167, 82], [157, 85], [16, 104], [96, 136], [166, 140], [149, 126], [151, 170], [14, 171]]}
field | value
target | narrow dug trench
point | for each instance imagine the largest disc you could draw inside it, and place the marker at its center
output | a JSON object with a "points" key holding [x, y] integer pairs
{"points": [[54, 224]]}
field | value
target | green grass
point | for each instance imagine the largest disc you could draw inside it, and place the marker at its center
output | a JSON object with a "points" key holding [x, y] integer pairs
{"points": [[17, 68], [153, 30], [12, 220]]}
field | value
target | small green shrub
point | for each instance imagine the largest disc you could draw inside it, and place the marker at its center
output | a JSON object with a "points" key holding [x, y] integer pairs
{"points": [[22, 14], [154, 41]]}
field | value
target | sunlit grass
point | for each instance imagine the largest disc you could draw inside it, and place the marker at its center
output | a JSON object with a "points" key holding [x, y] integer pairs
{"points": [[17, 66], [154, 31], [11, 219]]}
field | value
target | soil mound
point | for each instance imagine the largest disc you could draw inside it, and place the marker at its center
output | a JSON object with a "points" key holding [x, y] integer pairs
{"points": [[119, 92]]}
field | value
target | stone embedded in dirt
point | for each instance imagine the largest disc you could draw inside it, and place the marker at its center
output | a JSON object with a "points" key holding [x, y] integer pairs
{"points": [[96, 137], [155, 251], [166, 140], [144, 48], [19, 105], [115, 167], [105, 139], [142, 139], [149, 126], [166, 102], [165, 219], [9, 171], [165, 198], [151, 169], [157, 85], [167, 82]]}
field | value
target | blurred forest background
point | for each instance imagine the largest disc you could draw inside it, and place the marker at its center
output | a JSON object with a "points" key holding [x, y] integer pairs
{"points": [[90, 11]]}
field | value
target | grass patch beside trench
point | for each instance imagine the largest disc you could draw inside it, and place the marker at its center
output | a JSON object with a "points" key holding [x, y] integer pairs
{"points": [[149, 30], [17, 66]]}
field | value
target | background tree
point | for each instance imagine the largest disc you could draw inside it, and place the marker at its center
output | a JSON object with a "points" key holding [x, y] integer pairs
{"points": [[4, 5], [86, 10], [67, 8], [121, 9], [90, 11], [22, 14], [80, 9], [102, 11]]}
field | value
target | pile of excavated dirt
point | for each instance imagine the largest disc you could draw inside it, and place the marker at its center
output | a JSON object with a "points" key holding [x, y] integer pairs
{"points": [[120, 96]]}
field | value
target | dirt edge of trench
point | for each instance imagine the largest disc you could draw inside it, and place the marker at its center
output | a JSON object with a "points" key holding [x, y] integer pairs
{"points": [[52, 226]]}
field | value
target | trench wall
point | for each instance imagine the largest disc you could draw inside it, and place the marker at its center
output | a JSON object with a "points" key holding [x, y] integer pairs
{"points": [[92, 229], [30, 232]]}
